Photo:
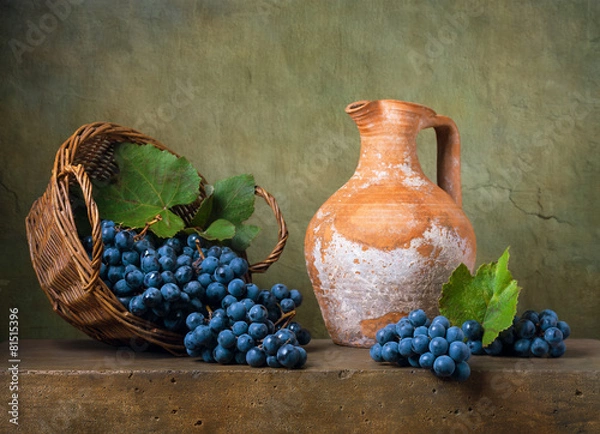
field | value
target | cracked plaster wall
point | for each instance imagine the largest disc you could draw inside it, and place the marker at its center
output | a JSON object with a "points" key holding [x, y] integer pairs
{"points": [[260, 86]]}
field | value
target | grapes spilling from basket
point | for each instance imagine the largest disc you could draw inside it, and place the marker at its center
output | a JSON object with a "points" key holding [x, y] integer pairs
{"points": [[201, 292]]}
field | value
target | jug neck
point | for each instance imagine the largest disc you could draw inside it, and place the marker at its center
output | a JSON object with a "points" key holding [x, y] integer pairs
{"points": [[388, 131]]}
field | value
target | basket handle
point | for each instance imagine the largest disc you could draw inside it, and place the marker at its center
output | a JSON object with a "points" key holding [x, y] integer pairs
{"points": [[282, 234], [78, 172]]}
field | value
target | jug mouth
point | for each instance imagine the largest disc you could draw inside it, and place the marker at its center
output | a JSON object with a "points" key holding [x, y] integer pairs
{"points": [[355, 107]]}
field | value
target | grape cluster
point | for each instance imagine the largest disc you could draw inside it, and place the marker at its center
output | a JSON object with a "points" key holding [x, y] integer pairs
{"points": [[537, 334], [202, 292], [420, 342]]}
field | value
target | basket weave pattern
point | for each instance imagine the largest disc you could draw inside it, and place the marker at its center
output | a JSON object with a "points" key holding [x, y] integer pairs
{"points": [[67, 275]]}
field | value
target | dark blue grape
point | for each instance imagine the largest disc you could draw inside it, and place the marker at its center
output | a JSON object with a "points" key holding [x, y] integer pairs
{"points": [[227, 339], [194, 320], [375, 352], [170, 292], [258, 330], [167, 263], [245, 343], [252, 291], [184, 260], [122, 289], [272, 362], [389, 352], [280, 291], [191, 240], [454, 333], [256, 357], [184, 274], [237, 311], [215, 293], [239, 266], [149, 263], [558, 350], [115, 273], [124, 240], [237, 288], [194, 289], [444, 366], [296, 296], [152, 297], [223, 355], [175, 244], [288, 356], [472, 330], [462, 371], [137, 306], [547, 321], [495, 348], [287, 336], [475, 347], [287, 305], [166, 250], [417, 317], [438, 346], [108, 234], [130, 257], [153, 278], [239, 328], [553, 336], [205, 279], [441, 319], [404, 330], [227, 301], [459, 351], [426, 360], [218, 324], [271, 344], [134, 278], [420, 344], [209, 264], [111, 256], [539, 347], [405, 347], [525, 329], [531, 315], [258, 313], [564, 328], [223, 274]]}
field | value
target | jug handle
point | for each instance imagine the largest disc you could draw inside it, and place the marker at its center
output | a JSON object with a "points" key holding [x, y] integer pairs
{"points": [[448, 156]]}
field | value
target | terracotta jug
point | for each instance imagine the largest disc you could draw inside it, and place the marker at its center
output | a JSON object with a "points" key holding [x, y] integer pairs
{"points": [[388, 239]]}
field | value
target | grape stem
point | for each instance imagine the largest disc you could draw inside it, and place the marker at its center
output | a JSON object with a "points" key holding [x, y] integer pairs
{"points": [[150, 223], [287, 317]]}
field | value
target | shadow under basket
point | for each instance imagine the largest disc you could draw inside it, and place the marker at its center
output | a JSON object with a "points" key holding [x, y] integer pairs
{"points": [[67, 275]]}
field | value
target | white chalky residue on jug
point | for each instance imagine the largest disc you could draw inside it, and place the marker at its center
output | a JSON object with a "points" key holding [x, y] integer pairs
{"points": [[360, 283]]}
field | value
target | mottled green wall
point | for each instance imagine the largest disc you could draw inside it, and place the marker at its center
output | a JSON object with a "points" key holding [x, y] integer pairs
{"points": [[261, 87]]}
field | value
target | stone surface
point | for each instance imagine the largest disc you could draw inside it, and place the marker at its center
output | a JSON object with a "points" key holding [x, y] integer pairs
{"points": [[260, 86], [86, 386]]}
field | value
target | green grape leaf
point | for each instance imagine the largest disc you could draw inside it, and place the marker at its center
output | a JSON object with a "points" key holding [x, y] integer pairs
{"points": [[220, 230], [234, 198], [202, 216], [150, 181], [244, 235], [489, 297]]}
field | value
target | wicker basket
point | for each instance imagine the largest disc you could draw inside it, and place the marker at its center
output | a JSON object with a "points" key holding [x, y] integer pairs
{"points": [[66, 274]]}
